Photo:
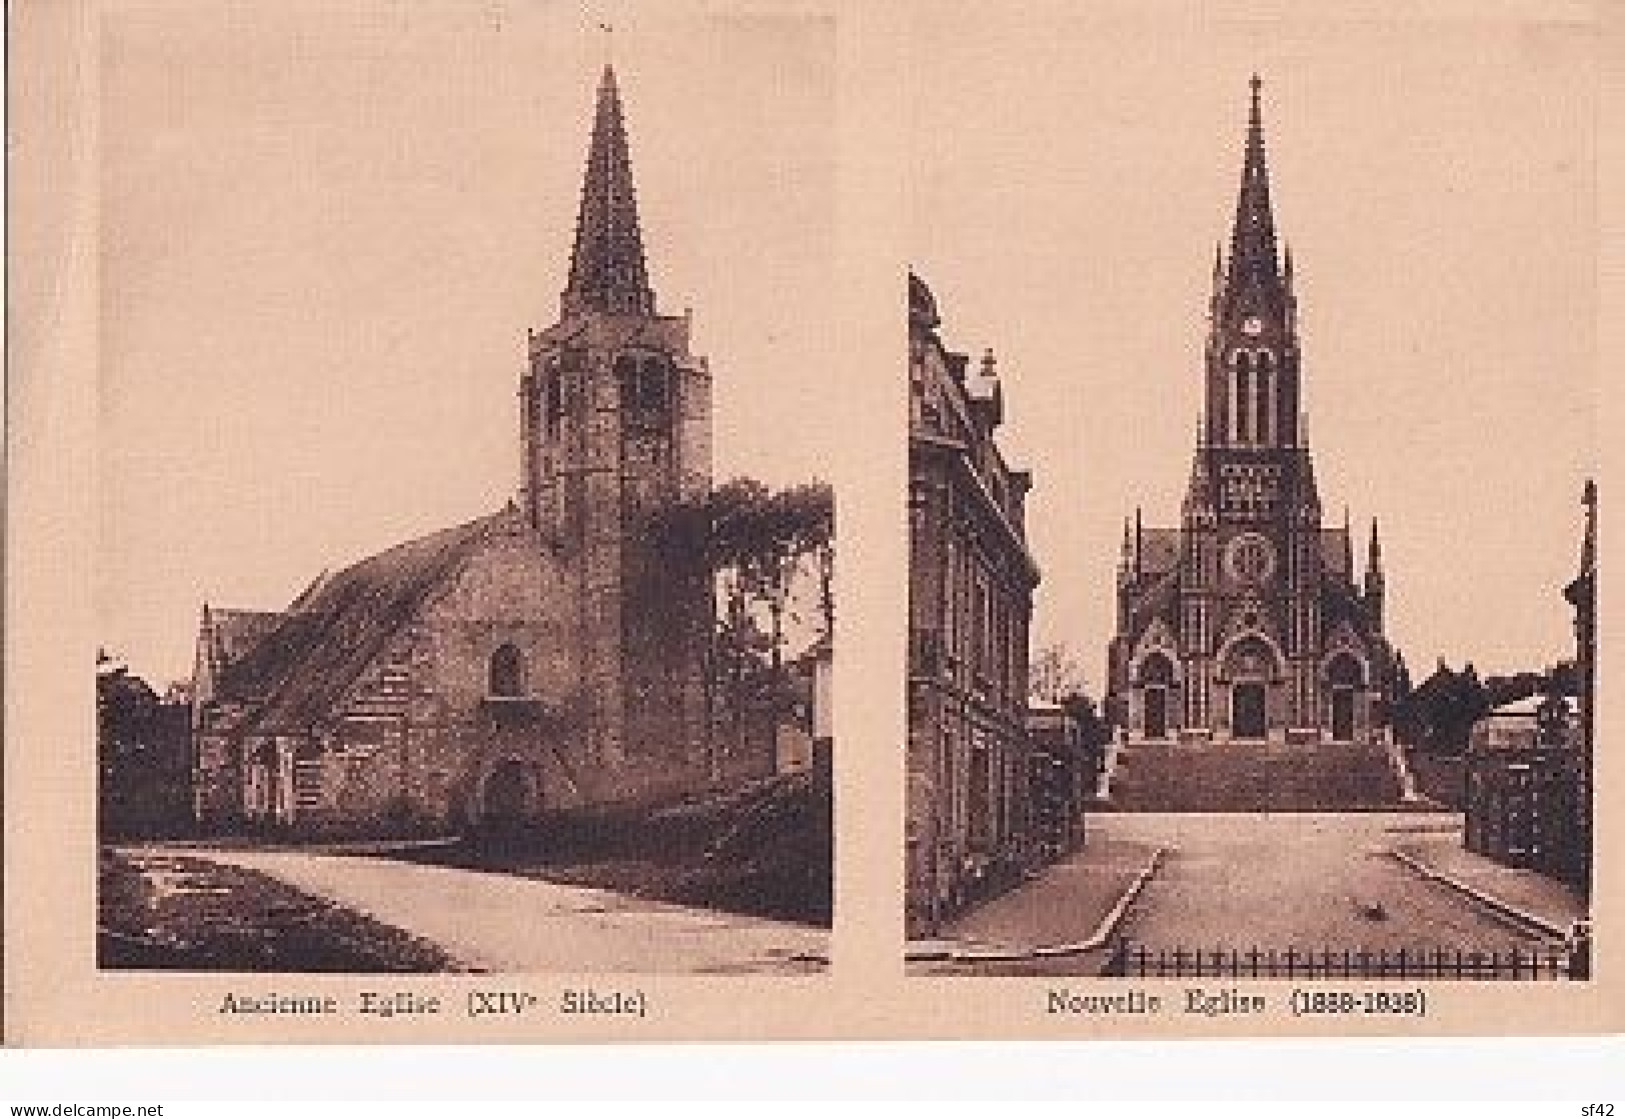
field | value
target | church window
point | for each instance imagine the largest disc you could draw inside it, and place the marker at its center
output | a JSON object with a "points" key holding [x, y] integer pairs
{"points": [[553, 393], [1243, 397], [652, 385], [507, 675], [1262, 428], [644, 391], [1157, 669], [626, 380], [1345, 672]]}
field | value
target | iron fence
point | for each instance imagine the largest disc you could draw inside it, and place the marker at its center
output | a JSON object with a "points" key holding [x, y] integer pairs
{"points": [[1538, 962]]}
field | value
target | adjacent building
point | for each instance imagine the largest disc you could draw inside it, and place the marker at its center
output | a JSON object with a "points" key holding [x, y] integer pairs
{"points": [[1249, 621], [1529, 764], [971, 581], [546, 654], [1582, 595]]}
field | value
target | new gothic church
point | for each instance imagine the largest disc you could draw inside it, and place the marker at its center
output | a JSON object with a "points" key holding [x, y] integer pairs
{"points": [[545, 655], [1250, 621]]}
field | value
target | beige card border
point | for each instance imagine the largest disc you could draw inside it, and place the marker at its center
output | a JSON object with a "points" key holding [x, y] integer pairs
{"points": [[54, 996]]}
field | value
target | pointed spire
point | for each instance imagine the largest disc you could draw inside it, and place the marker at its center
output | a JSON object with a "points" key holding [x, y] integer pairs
{"points": [[607, 269], [1373, 564], [1199, 491], [1252, 239]]}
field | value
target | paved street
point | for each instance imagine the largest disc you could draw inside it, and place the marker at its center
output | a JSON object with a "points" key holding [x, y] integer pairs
{"points": [[1298, 880], [506, 923], [1276, 881]]}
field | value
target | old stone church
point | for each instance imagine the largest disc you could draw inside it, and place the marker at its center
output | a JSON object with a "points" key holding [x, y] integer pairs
{"points": [[547, 654], [1250, 621]]}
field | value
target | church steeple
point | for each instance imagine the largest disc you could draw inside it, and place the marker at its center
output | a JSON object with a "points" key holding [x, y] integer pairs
{"points": [[1253, 261], [607, 269], [1252, 384]]}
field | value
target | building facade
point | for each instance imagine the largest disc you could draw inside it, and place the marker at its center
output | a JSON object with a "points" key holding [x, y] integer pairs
{"points": [[971, 581], [1249, 621], [1582, 596], [1530, 797], [548, 654]]}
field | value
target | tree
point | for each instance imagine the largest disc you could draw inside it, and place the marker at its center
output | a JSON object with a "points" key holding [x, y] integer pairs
{"points": [[1439, 713], [766, 553], [142, 753], [1055, 674]]}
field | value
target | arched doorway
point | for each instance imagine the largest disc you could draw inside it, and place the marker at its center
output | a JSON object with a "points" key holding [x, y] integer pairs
{"points": [[1249, 665], [1156, 690], [506, 800], [1344, 678]]}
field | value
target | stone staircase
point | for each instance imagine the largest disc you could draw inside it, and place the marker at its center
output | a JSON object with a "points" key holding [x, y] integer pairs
{"points": [[1253, 777]]}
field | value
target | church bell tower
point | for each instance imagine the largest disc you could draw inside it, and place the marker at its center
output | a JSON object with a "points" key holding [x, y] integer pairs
{"points": [[615, 416], [1260, 541]]}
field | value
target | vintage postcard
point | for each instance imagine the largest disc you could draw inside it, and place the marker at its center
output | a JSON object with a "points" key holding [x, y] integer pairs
{"points": [[428, 430], [1253, 611]]}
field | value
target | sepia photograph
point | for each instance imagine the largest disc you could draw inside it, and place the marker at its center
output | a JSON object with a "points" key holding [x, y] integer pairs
{"points": [[427, 428], [1252, 501], [460, 606]]}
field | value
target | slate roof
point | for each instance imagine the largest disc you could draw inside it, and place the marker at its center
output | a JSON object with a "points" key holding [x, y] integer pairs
{"points": [[232, 633], [303, 664]]}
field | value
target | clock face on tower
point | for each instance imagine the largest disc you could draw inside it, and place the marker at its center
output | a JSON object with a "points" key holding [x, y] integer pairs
{"points": [[1250, 559], [1252, 324]]}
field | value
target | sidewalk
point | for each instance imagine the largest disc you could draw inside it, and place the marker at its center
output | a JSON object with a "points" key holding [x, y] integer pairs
{"points": [[1065, 906], [1524, 893]]}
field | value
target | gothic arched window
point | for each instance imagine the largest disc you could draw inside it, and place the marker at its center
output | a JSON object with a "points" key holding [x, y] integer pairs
{"points": [[553, 396], [1265, 397], [645, 390], [1243, 397], [507, 676], [1156, 669], [652, 388], [1345, 672]]}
